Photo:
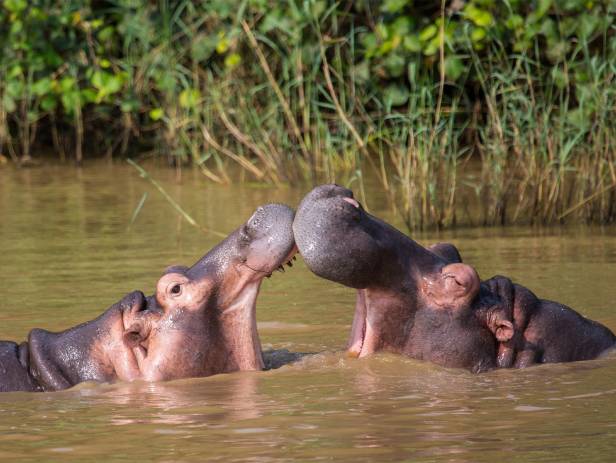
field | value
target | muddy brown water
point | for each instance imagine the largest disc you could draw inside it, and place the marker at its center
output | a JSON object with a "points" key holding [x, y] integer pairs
{"points": [[67, 253]]}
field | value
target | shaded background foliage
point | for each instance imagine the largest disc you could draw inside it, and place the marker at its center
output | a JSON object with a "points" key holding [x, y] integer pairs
{"points": [[315, 90]]}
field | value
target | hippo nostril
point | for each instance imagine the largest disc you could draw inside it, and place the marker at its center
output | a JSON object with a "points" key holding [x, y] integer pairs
{"points": [[143, 303], [352, 202], [254, 221]]}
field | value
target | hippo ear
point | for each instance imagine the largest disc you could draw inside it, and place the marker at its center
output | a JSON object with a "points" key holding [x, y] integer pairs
{"points": [[446, 251], [454, 287], [503, 330], [182, 269]]}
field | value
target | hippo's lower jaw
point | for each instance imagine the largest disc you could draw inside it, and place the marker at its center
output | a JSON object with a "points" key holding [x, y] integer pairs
{"points": [[379, 327], [240, 318]]}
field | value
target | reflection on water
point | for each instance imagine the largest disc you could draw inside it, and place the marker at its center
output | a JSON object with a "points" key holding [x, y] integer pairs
{"points": [[67, 254]]}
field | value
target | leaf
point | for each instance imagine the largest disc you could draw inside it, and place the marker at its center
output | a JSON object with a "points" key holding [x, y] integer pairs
{"points": [[478, 34], [557, 52], [559, 77], [515, 21], [396, 95], [370, 43], [88, 95], [71, 101], [454, 67], [394, 6], [579, 119], [480, 17], [401, 26], [189, 98], [42, 86], [427, 33], [411, 43], [15, 89], [542, 7], [107, 83], [49, 103], [202, 47], [394, 64], [165, 82], [549, 30], [232, 60], [318, 7], [156, 114], [587, 25], [106, 34], [361, 71], [223, 44], [16, 26], [129, 106], [432, 47], [15, 6], [67, 84], [97, 79], [15, 71], [8, 103]]}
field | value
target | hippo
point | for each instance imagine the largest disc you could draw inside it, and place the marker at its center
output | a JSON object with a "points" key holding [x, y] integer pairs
{"points": [[426, 303], [200, 321]]}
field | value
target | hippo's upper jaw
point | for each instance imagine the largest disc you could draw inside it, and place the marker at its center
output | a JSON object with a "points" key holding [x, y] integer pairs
{"points": [[341, 242]]}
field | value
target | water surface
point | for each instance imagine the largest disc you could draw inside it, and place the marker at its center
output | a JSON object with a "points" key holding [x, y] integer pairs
{"points": [[67, 253]]}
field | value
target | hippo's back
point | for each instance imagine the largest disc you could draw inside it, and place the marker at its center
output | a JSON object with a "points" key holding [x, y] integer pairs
{"points": [[567, 335], [14, 375]]}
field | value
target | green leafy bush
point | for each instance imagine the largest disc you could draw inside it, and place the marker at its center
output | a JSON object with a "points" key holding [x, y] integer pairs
{"points": [[309, 89]]}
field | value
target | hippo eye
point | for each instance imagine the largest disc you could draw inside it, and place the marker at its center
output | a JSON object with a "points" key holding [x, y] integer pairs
{"points": [[176, 289]]}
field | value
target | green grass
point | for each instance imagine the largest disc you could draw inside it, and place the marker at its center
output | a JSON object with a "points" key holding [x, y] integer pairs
{"points": [[498, 104]]}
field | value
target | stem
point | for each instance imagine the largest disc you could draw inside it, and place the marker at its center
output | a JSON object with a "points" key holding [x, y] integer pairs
{"points": [[144, 174]]}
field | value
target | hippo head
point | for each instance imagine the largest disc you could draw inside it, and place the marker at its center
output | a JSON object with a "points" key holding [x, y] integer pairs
{"points": [[202, 319], [411, 300]]}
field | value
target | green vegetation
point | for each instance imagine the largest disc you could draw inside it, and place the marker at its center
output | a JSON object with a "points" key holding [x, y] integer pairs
{"points": [[418, 94]]}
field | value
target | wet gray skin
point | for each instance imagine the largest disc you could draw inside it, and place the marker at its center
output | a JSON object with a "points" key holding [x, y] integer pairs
{"points": [[201, 320], [427, 304]]}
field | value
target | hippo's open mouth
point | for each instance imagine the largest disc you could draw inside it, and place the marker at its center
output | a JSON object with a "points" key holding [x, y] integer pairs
{"points": [[357, 346], [268, 273], [356, 340], [288, 262]]}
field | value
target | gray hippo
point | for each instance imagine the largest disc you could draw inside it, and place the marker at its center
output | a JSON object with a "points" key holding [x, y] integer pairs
{"points": [[201, 320], [426, 303]]}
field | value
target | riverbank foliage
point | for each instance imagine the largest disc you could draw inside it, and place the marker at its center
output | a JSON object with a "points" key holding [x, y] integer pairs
{"points": [[508, 104]]}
